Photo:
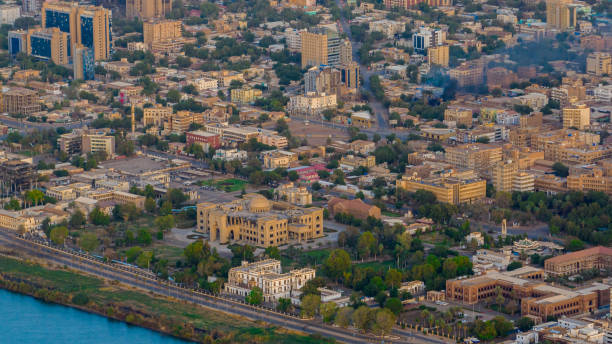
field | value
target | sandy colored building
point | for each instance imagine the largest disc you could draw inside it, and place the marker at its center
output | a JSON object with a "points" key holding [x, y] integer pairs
{"points": [[320, 46], [245, 94], [268, 276], [480, 157], [353, 161], [312, 103], [578, 116], [254, 220], [560, 14], [599, 63], [459, 115], [16, 221], [278, 158], [99, 143], [156, 116], [146, 9], [19, 100], [450, 187], [438, 55], [161, 30], [575, 262], [408, 4], [293, 194], [355, 207]]}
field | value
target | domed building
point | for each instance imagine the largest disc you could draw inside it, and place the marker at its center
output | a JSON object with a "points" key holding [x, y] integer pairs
{"points": [[257, 221]]}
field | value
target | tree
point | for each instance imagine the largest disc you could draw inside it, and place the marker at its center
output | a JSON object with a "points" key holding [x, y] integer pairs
{"points": [[173, 96], [59, 234], [165, 223], [284, 304], [88, 242], [384, 321], [514, 265], [560, 170], [77, 219], [13, 204], [343, 317], [362, 318], [272, 252], [499, 299], [310, 305], [255, 296], [525, 324], [194, 252], [574, 245], [293, 176], [337, 263], [144, 259], [150, 205], [367, 244], [394, 305], [327, 311], [393, 278], [132, 253], [99, 218]]}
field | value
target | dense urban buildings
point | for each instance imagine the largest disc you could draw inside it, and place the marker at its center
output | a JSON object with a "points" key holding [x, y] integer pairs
{"points": [[575, 262]]}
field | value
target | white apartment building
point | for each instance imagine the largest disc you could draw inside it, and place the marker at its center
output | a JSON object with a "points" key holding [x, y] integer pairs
{"points": [[293, 39], [312, 103], [388, 27], [603, 93], [230, 154], [9, 13], [268, 276], [203, 84]]}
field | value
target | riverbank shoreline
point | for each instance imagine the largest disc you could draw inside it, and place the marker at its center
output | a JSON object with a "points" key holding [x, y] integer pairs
{"points": [[167, 316]]}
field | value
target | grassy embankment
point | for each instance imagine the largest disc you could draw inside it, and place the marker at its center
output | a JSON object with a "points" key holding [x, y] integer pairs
{"points": [[139, 308]]}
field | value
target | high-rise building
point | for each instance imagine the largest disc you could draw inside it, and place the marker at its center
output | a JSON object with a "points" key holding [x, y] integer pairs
{"points": [[346, 52], [467, 74], [83, 63], [350, 75], [46, 44], [31, 6], [560, 14], [86, 25], [438, 55], [427, 37], [161, 30], [599, 63], [322, 79], [320, 46], [99, 143], [147, 9], [503, 175], [578, 116]]}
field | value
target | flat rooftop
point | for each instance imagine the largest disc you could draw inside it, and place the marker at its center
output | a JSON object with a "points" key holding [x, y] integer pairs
{"points": [[135, 165]]}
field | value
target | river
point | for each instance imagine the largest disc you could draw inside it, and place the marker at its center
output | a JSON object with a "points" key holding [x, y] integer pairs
{"points": [[25, 320]]}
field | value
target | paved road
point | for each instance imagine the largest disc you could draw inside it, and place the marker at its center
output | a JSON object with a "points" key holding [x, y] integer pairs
{"points": [[25, 126], [143, 280]]}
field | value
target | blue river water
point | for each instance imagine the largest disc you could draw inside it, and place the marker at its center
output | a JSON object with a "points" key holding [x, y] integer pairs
{"points": [[25, 320]]}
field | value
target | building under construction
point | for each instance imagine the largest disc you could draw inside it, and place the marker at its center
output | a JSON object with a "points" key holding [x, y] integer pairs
{"points": [[16, 176]]}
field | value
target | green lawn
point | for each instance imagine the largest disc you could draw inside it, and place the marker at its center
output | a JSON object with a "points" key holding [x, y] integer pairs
{"points": [[227, 185], [377, 265], [390, 214], [235, 329]]}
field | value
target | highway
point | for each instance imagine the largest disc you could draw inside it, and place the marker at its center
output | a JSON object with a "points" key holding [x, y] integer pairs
{"points": [[144, 280]]}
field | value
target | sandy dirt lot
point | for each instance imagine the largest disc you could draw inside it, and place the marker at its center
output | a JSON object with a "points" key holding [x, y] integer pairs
{"points": [[316, 134]]}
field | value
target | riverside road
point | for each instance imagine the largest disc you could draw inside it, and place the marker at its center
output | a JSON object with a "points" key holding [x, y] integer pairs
{"points": [[141, 279]]}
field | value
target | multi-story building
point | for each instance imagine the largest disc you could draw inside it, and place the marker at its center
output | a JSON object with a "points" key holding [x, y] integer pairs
{"points": [[438, 55], [293, 194], [70, 143], [320, 46], [467, 74], [346, 52], [19, 100], [322, 79], [578, 117], [500, 77], [9, 13], [203, 84], [407, 4], [450, 187], [293, 39], [278, 158], [590, 178], [16, 176], [560, 14], [387, 27], [523, 182], [181, 121], [146, 9], [480, 157], [507, 177], [245, 94], [16, 221], [458, 115], [230, 154], [273, 139], [312, 103], [257, 221], [576, 262], [203, 137], [99, 143], [427, 37], [599, 63], [83, 63], [354, 161], [61, 193], [500, 260], [526, 287], [156, 116], [31, 6], [350, 75], [354, 207], [46, 44], [269, 277], [89, 26], [156, 30], [570, 146]]}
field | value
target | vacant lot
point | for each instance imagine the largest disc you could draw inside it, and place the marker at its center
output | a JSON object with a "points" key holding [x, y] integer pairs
{"points": [[315, 134]]}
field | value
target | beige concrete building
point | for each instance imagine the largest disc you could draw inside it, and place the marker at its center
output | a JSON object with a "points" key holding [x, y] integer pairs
{"points": [[269, 277], [480, 157], [161, 30], [575, 262], [560, 14], [438, 55], [312, 103], [599, 63], [146, 9], [278, 158], [354, 161], [17, 100], [156, 116], [274, 140], [459, 115], [61, 193], [578, 116], [451, 187], [254, 220], [293, 194], [99, 143], [16, 221], [245, 94]]}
